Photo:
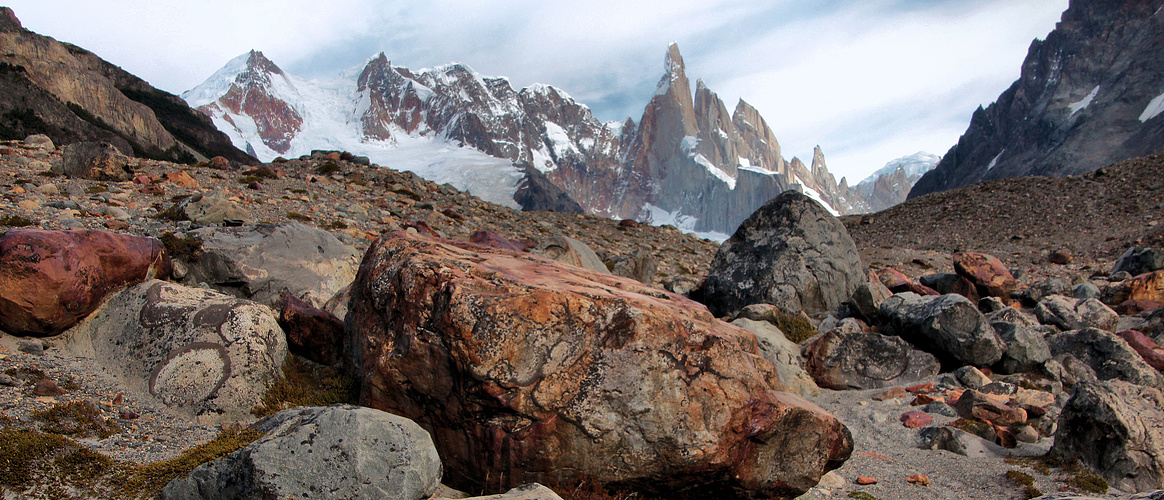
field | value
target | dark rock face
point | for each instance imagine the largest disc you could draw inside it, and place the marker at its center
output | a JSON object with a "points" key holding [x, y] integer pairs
{"points": [[866, 360], [537, 193], [72, 95], [1110, 356], [313, 333], [525, 369], [1026, 347], [50, 280], [1117, 429], [790, 253], [947, 326], [340, 451], [1137, 261], [1082, 102]]}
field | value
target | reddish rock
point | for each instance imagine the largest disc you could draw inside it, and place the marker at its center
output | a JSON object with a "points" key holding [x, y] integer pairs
{"points": [[219, 163], [1061, 257], [153, 189], [181, 179], [453, 214], [628, 223], [127, 415], [50, 280], [255, 185], [914, 419], [1145, 347], [1132, 307], [924, 399], [1149, 286], [311, 332], [48, 387], [866, 480], [925, 388], [524, 369], [918, 479], [492, 239], [989, 275], [116, 225], [333, 156], [897, 282]]}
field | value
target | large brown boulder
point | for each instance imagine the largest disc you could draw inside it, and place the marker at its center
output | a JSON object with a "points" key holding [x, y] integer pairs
{"points": [[986, 272], [1148, 286], [50, 280], [524, 369]]}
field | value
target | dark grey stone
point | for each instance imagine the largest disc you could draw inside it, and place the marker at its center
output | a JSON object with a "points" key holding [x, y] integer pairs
{"points": [[947, 326], [791, 253]]}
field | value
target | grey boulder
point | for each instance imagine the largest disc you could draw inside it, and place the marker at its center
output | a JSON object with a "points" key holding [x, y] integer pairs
{"points": [[207, 355], [340, 451], [783, 353], [791, 253], [1110, 356], [99, 161], [947, 326], [1117, 429], [260, 262], [866, 360], [570, 251], [1026, 346], [1136, 261], [1072, 314]]}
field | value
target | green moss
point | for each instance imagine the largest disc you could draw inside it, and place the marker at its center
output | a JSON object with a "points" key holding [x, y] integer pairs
{"points": [[1087, 482], [78, 419], [299, 191], [975, 427], [247, 179], [84, 464], [16, 221], [184, 248], [1020, 478], [71, 384], [23, 452], [861, 495], [298, 216], [339, 224], [795, 328], [97, 188], [147, 480], [306, 384]]}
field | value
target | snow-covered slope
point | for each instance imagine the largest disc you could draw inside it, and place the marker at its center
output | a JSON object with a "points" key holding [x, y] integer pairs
{"points": [[452, 124], [890, 185]]}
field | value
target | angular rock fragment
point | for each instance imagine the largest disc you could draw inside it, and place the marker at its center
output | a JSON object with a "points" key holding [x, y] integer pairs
{"points": [[947, 326], [839, 360]]}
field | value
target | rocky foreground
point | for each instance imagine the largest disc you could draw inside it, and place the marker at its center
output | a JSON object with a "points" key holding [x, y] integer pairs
{"points": [[509, 348]]}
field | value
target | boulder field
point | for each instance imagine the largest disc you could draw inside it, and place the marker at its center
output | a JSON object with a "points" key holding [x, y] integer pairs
{"points": [[488, 360]]}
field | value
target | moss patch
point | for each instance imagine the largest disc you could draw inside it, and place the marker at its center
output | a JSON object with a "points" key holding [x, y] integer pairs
{"points": [[189, 249], [77, 419], [306, 384], [795, 328], [147, 480], [16, 221]]}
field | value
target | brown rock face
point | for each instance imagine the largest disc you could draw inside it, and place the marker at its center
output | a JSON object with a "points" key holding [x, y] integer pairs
{"points": [[1148, 286], [524, 370], [50, 280], [311, 332], [989, 275]]}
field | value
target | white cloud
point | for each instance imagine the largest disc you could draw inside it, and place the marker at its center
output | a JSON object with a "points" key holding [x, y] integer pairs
{"points": [[868, 81]]}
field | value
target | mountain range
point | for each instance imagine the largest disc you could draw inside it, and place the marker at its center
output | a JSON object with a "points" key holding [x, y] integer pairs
{"points": [[687, 162], [1089, 95]]}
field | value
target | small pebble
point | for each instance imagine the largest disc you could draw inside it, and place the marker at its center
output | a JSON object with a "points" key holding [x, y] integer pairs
{"points": [[866, 480]]}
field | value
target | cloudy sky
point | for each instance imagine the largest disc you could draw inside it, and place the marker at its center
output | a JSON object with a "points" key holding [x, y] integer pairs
{"points": [[869, 81]]}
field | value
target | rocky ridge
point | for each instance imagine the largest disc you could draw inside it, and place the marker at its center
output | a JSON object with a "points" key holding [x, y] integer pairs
{"points": [[71, 94], [1089, 95]]}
